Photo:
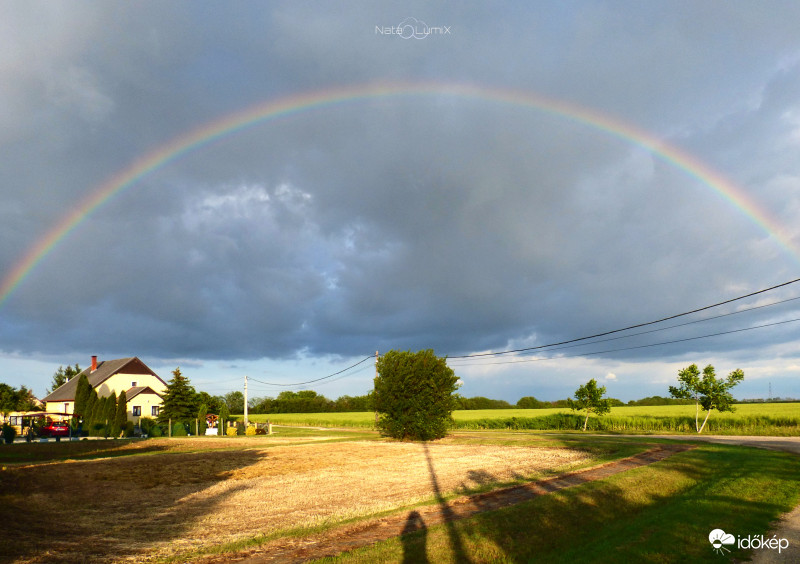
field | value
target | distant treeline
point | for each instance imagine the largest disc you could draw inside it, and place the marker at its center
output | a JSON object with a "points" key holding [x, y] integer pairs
{"points": [[308, 401]]}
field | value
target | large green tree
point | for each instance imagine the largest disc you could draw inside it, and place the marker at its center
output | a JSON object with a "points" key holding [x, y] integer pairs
{"points": [[708, 392], [589, 397], [235, 402], [214, 403], [414, 395], [179, 400], [12, 399], [62, 376]]}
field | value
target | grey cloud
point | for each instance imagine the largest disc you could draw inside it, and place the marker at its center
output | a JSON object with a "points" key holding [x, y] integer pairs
{"points": [[396, 222]]}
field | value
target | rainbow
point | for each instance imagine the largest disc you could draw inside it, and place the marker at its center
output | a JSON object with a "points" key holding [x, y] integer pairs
{"points": [[295, 104]]}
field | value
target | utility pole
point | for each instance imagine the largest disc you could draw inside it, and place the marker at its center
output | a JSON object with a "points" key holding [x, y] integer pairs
{"points": [[245, 401], [770, 392], [376, 375]]}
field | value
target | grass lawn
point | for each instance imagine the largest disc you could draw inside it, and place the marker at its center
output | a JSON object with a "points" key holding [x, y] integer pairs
{"points": [[659, 513], [176, 500]]}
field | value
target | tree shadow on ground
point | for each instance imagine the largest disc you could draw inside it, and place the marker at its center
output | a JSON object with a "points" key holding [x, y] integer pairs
{"points": [[29, 453], [459, 553], [88, 511], [667, 509]]}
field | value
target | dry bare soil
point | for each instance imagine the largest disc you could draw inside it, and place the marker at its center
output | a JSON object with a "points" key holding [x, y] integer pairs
{"points": [[165, 499]]}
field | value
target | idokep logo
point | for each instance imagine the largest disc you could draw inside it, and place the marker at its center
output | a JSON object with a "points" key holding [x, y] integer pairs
{"points": [[719, 539]]}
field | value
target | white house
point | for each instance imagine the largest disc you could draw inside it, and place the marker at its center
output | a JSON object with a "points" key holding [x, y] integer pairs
{"points": [[143, 388]]}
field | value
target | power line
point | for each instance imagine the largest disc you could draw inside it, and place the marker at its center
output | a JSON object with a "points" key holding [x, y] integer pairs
{"points": [[664, 328], [626, 328], [638, 346], [317, 379]]}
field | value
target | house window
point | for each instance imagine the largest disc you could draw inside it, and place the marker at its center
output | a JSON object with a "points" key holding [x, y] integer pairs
{"points": [[156, 409], [133, 384], [137, 409]]}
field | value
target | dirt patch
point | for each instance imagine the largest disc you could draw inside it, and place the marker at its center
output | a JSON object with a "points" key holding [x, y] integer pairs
{"points": [[139, 508]]}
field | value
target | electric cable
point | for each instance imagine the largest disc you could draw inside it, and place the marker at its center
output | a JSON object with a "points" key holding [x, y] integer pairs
{"points": [[629, 327], [315, 380], [664, 328], [638, 346]]}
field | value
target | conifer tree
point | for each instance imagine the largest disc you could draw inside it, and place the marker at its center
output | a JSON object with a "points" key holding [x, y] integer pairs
{"points": [[82, 395], [89, 411], [201, 418], [109, 414], [223, 417], [178, 402], [121, 416]]}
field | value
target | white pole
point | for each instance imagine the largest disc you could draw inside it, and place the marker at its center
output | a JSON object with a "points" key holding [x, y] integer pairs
{"points": [[245, 401], [376, 375]]}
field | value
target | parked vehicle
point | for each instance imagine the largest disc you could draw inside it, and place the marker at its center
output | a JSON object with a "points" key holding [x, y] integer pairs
{"points": [[54, 429], [31, 423]]}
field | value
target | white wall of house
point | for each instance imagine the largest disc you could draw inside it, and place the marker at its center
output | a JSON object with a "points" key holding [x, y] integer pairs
{"points": [[145, 403], [123, 382], [59, 407]]}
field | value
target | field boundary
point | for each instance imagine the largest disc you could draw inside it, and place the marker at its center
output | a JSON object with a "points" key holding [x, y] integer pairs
{"points": [[365, 533]]}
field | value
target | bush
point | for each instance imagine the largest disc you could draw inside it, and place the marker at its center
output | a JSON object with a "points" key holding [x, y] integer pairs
{"points": [[414, 395], [239, 428], [146, 424], [179, 429], [155, 431], [231, 432], [9, 433], [250, 431], [128, 430]]}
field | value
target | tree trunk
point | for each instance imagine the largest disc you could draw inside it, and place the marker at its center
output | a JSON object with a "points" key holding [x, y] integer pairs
{"points": [[704, 422], [696, 414], [586, 421]]}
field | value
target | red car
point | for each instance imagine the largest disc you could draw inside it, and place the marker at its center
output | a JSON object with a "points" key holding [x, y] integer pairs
{"points": [[54, 429]]}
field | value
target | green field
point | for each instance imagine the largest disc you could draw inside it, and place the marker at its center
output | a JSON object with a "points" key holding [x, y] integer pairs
{"points": [[659, 513], [748, 419]]}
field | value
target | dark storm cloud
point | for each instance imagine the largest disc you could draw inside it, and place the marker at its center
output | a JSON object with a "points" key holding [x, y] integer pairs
{"points": [[418, 222]]}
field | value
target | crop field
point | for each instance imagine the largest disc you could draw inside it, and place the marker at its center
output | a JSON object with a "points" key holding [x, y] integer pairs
{"points": [[748, 419], [222, 499]]}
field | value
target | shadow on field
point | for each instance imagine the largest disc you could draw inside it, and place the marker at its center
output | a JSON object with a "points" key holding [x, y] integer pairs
{"points": [[27, 453], [121, 507], [459, 554], [666, 508], [414, 544]]}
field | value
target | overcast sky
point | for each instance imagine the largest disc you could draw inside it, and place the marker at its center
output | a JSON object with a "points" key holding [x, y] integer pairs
{"points": [[298, 246]]}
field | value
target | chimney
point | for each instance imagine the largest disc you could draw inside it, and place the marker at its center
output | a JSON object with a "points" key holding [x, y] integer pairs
{"points": [[94, 363]]}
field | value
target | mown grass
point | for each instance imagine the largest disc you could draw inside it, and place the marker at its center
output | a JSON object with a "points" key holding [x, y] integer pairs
{"points": [[658, 513], [748, 419], [601, 450]]}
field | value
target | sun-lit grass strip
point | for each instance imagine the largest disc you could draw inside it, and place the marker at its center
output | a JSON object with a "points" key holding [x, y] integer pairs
{"points": [[748, 419], [658, 513]]}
